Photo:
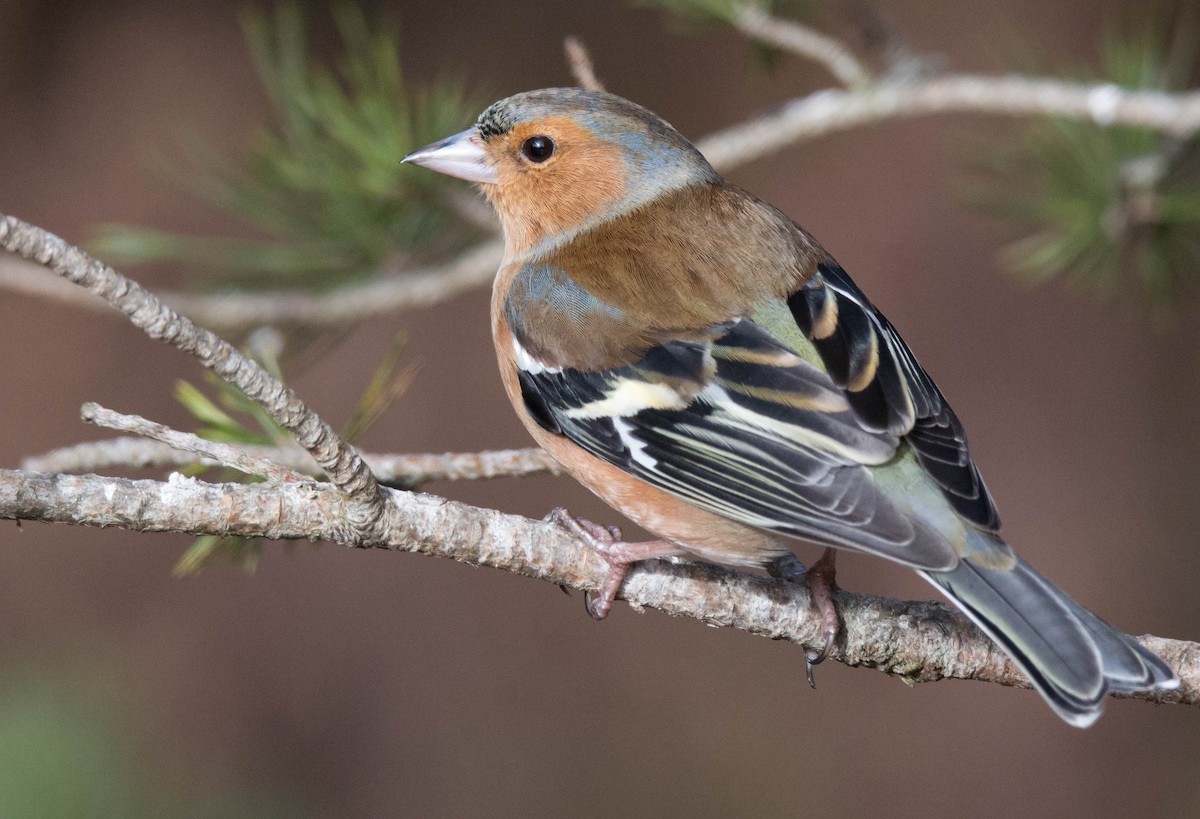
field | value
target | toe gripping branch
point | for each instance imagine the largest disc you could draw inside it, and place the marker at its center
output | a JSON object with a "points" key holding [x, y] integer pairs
{"points": [[820, 579], [609, 543]]}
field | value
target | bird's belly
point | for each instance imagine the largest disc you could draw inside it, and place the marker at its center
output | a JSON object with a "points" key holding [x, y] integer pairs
{"points": [[698, 532]]}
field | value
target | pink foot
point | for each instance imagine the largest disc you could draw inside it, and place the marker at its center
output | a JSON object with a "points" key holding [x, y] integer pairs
{"points": [[819, 578], [606, 541]]}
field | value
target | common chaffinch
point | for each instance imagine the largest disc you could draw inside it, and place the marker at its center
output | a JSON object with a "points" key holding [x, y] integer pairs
{"points": [[697, 360]]}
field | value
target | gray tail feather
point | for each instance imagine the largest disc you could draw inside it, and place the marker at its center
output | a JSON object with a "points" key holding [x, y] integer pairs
{"points": [[1072, 657]]}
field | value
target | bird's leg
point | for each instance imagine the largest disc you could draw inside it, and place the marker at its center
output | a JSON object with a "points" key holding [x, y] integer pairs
{"points": [[819, 577], [607, 542]]}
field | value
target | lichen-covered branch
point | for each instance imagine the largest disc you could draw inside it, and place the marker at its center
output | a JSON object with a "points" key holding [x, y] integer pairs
{"points": [[340, 461], [191, 446], [401, 471], [916, 641]]}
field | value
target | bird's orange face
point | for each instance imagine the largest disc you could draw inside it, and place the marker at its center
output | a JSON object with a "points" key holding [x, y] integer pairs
{"points": [[551, 176], [556, 160]]}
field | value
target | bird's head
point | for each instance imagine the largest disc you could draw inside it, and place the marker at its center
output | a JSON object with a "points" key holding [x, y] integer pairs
{"points": [[557, 161]]}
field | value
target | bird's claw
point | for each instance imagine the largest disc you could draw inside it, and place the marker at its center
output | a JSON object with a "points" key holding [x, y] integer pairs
{"points": [[819, 578], [607, 542], [604, 541], [814, 657], [596, 607]]}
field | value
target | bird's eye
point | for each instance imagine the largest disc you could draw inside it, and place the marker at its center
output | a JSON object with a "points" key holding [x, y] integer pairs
{"points": [[538, 148]]}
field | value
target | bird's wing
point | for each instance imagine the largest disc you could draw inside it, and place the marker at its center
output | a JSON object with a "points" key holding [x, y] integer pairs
{"points": [[886, 387], [740, 426]]}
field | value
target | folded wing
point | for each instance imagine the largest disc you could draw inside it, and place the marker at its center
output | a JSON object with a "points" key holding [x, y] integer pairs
{"points": [[886, 387], [743, 427]]}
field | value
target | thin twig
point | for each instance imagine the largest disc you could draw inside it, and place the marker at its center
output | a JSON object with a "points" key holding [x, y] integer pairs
{"points": [[580, 62], [916, 641], [340, 461], [833, 110], [409, 471], [191, 446], [400, 471], [383, 294], [752, 20]]}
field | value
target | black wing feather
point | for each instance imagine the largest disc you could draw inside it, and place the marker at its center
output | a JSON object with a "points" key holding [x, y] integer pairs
{"points": [[888, 389]]}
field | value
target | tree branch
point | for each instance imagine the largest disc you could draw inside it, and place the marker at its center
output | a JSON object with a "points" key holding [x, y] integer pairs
{"points": [[832, 110], [753, 21], [191, 445], [916, 641], [234, 309], [400, 471], [385, 293], [340, 461]]}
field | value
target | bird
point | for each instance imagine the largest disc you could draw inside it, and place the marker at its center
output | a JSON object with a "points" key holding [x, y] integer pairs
{"points": [[696, 359]]}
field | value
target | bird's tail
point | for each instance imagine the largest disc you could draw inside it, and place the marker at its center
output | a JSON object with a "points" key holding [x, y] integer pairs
{"points": [[1072, 657]]}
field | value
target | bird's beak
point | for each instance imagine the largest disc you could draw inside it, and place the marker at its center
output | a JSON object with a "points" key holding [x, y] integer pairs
{"points": [[462, 155]]}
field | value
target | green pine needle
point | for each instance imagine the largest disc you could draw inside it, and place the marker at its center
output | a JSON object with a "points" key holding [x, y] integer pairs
{"points": [[1113, 211], [231, 417], [388, 383], [322, 184]]}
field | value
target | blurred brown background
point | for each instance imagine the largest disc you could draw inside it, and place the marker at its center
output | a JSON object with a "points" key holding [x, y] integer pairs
{"points": [[337, 682]]}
